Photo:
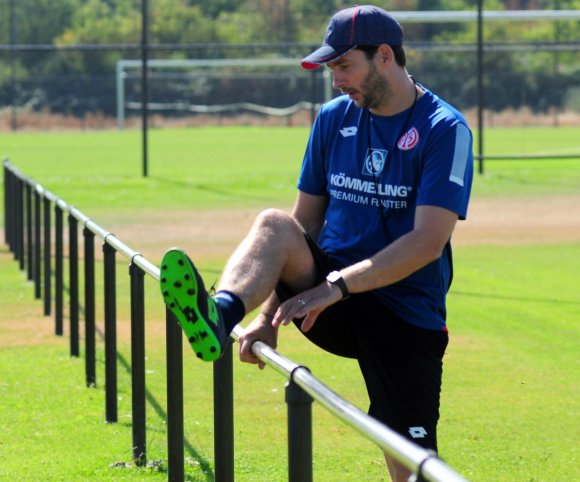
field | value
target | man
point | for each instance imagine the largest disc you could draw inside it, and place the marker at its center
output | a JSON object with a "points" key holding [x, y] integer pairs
{"points": [[363, 263]]}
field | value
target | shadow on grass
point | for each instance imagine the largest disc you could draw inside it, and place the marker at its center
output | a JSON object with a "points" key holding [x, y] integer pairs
{"points": [[516, 298], [513, 179], [195, 458], [194, 454], [210, 188]]}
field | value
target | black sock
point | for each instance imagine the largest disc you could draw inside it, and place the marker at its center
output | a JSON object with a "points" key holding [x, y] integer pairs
{"points": [[231, 307]]}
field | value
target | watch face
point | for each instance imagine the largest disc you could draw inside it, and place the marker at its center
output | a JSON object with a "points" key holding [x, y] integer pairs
{"points": [[333, 276]]}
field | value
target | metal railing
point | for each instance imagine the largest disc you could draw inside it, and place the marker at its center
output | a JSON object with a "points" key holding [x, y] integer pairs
{"points": [[28, 235]]}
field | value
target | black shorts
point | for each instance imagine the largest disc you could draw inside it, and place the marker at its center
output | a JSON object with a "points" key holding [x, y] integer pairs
{"points": [[401, 363]]}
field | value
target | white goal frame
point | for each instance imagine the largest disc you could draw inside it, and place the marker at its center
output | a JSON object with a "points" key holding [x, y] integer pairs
{"points": [[123, 65]]}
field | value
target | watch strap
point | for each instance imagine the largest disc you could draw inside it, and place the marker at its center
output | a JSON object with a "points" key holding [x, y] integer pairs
{"points": [[335, 278]]}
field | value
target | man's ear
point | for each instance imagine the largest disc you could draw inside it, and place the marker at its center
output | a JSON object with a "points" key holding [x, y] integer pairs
{"points": [[385, 54]]}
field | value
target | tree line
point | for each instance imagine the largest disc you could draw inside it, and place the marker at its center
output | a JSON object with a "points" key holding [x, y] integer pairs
{"points": [[54, 72]]}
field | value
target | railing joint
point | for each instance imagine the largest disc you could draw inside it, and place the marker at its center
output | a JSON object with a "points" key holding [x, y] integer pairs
{"points": [[419, 477], [134, 256], [291, 374]]}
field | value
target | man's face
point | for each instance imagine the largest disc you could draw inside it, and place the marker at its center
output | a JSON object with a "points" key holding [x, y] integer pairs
{"points": [[358, 77]]}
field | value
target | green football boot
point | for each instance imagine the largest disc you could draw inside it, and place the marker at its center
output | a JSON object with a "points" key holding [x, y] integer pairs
{"points": [[198, 314]]}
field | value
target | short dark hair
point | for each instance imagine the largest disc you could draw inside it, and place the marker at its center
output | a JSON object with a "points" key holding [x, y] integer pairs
{"points": [[371, 50]]}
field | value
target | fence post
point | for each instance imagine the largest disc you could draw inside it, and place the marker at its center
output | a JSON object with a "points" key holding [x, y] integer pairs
{"points": [[8, 206], [19, 223], [90, 352], [110, 333], [37, 245], [299, 433], [138, 363], [223, 399], [175, 438], [47, 255], [480, 84], [58, 269], [313, 89], [11, 210], [29, 254], [73, 248]]}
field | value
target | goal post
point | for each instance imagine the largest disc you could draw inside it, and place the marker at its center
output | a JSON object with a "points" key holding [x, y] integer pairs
{"points": [[211, 68]]}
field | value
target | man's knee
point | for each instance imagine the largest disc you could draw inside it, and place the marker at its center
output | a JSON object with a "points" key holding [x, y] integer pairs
{"points": [[276, 221]]}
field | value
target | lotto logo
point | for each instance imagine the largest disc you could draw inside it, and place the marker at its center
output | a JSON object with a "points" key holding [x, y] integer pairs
{"points": [[417, 432], [409, 140], [348, 131]]}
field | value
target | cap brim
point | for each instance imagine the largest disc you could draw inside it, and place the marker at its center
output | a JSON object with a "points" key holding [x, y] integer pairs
{"points": [[323, 55]]}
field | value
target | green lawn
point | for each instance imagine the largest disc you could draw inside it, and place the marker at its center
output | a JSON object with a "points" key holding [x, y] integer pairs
{"points": [[509, 406], [217, 167]]}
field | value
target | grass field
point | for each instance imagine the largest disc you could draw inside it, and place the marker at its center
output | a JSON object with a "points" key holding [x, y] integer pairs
{"points": [[510, 398]]}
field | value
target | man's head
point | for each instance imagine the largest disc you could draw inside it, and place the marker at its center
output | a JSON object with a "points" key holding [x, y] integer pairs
{"points": [[358, 26]]}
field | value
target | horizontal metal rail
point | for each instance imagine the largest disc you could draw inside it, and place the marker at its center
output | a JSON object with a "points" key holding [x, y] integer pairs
{"points": [[423, 462], [528, 157], [408, 453]]}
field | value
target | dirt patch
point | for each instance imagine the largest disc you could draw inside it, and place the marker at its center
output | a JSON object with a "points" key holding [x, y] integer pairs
{"points": [[521, 220], [214, 234], [209, 234]]}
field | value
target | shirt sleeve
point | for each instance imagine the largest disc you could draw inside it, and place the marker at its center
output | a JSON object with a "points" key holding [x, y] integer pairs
{"points": [[448, 168], [313, 179]]}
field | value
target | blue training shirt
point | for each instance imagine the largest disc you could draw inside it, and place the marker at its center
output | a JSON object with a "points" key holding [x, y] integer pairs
{"points": [[366, 163]]}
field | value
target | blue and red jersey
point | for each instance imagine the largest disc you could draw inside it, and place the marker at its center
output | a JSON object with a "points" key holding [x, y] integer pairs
{"points": [[375, 171]]}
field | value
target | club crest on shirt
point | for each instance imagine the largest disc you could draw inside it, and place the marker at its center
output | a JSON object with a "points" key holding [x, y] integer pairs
{"points": [[409, 139], [374, 162]]}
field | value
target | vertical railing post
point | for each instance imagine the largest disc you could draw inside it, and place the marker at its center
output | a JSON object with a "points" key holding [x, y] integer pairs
{"points": [[223, 399], [19, 198], [29, 260], [37, 275], [110, 332], [175, 437], [58, 270], [299, 433], [480, 84], [90, 351], [138, 363], [11, 210], [8, 206], [313, 92], [47, 256], [73, 248]]}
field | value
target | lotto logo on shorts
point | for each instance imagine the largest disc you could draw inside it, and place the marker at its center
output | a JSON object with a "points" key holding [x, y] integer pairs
{"points": [[417, 432], [409, 140]]}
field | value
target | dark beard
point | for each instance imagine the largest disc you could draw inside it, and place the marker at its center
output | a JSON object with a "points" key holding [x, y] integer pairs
{"points": [[375, 89]]}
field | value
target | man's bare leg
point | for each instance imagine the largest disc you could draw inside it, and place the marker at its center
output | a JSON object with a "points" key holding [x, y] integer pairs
{"points": [[397, 471], [274, 249]]}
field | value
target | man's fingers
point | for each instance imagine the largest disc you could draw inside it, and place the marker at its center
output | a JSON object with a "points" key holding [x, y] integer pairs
{"points": [[291, 309], [246, 354], [309, 321]]}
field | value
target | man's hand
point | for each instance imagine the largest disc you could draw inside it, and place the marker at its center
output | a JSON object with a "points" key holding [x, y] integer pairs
{"points": [[260, 329], [308, 304]]}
